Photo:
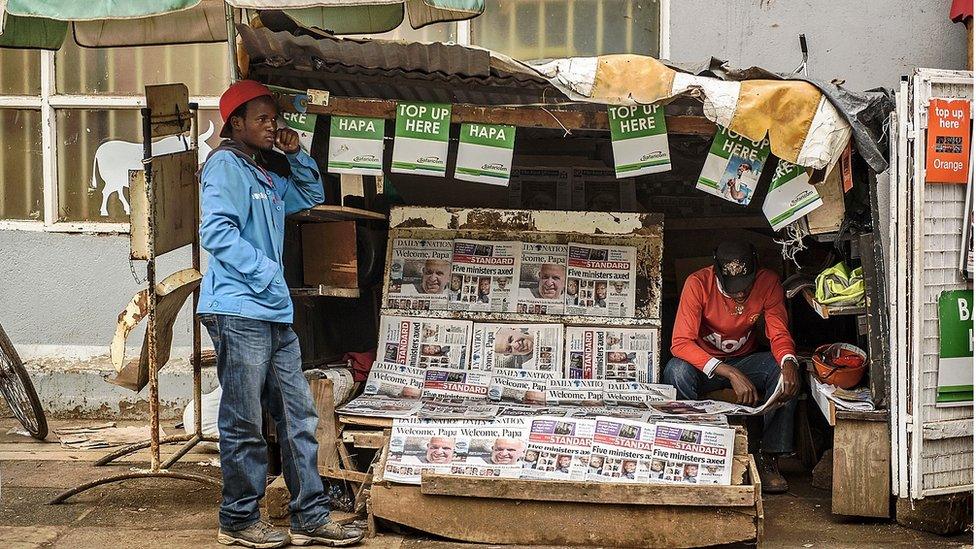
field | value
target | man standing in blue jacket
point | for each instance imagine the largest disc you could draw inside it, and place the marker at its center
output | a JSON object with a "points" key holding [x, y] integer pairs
{"points": [[248, 189]]}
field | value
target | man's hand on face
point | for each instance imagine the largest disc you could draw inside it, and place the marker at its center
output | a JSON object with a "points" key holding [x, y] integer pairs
{"points": [[791, 379], [745, 391], [286, 139]]}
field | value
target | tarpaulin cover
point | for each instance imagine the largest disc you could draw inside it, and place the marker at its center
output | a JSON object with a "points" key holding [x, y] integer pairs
{"points": [[90, 10], [369, 16], [36, 33], [200, 24]]}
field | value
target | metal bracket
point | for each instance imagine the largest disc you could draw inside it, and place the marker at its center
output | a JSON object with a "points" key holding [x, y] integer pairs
{"points": [[318, 97]]}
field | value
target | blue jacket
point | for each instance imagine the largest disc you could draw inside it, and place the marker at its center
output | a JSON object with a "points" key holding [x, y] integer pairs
{"points": [[243, 229]]}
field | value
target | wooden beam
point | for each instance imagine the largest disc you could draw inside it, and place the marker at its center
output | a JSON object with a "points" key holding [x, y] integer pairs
{"points": [[342, 474], [589, 492], [366, 421], [365, 439], [582, 116], [862, 469], [526, 522]]}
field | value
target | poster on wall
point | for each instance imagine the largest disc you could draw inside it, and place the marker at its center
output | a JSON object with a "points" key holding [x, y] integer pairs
{"points": [[540, 188], [485, 153], [420, 144], [947, 146], [356, 145], [640, 140], [790, 197], [955, 382], [733, 166]]}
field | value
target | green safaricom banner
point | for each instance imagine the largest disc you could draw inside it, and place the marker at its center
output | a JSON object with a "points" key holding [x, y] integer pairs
{"points": [[301, 121], [356, 145], [955, 349], [485, 153], [640, 140], [421, 142], [791, 196], [733, 165]]}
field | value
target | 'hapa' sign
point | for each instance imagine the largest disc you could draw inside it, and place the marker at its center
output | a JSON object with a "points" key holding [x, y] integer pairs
{"points": [[947, 153]]}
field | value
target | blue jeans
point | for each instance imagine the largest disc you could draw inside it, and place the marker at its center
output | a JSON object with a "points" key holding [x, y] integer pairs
{"points": [[259, 365], [763, 371]]}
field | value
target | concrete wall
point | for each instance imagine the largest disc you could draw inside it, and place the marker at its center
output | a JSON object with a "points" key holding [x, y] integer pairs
{"points": [[867, 43]]}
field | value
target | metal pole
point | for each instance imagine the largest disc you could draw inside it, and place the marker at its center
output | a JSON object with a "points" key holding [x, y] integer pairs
{"points": [[197, 384], [231, 42], [151, 281]]}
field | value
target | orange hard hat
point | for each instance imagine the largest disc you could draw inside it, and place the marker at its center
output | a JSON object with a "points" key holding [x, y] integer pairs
{"points": [[840, 364]]}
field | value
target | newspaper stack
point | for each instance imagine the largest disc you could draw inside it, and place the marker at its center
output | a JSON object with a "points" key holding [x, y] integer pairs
{"points": [[395, 380], [420, 274], [692, 454], [424, 342], [559, 448], [380, 406], [601, 280], [520, 386], [449, 383], [517, 346], [621, 451], [619, 354], [599, 190], [467, 448], [485, 274], [575, 392], [542, 282], [631, 393]]}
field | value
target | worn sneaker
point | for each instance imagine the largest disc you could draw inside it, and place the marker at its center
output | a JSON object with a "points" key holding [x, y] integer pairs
{"points": [[259, 535], [330, 533], [772, 480]]}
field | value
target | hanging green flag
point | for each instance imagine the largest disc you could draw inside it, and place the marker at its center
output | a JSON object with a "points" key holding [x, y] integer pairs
{"points": [[790, 196], [356, 145], [733, 165], [640, 140], [485, 153], [421, 142]]}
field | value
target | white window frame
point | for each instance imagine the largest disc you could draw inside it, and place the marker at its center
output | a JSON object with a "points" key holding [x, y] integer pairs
{"points": [[48, 103]]}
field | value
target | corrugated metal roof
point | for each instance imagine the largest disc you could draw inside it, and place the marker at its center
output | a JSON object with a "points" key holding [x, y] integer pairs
{"points": [[392, 70]]}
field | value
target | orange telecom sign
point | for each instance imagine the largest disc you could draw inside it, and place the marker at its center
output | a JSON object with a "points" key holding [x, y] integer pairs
{"points": [[947, 151]]}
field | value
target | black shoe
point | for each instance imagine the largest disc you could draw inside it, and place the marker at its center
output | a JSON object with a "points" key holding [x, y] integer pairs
{"points": [[330, 533], [772, 480], [259, 535]]}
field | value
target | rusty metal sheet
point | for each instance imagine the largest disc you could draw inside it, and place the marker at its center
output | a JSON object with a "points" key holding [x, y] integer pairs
{"points": [[171, 293], [174, 222], [170, 108], [643, 231]]}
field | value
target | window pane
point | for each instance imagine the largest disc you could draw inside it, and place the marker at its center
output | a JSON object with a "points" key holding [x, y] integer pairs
{"points": [[20, 72], [96, 150], [21, 180], [531, 29], [126, 71]]}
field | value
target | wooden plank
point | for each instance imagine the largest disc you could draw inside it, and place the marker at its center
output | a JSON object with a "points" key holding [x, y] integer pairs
{"points": [[176, 202], [380, 422], [365, 439], [757, 487], [588, 492], [526, 522], [170, 106], [329, 254], [325, 291], [557, 117], [276, 498], [327, 432], [862, 469], [865, 415], [343, 474], [325, 213], [741, 445]]}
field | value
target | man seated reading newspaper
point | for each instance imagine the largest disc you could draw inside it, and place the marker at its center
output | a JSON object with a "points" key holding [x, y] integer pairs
{"points": [[714, 346]]}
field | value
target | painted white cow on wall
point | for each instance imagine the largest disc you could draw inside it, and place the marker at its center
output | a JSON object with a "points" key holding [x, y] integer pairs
{"points": [[114, 159]]}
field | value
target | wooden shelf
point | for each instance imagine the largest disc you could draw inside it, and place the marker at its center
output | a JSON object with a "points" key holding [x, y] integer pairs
{"points": [[325, 291], [826, 311], [325, 213]]}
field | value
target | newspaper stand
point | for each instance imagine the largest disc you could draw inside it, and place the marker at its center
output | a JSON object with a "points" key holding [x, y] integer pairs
{"points": [[515, 511]]}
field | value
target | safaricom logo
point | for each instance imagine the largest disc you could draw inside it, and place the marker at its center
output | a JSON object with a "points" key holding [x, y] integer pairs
{"points": [[365, 158], [429, 160], [498, 167], [651, 155]]}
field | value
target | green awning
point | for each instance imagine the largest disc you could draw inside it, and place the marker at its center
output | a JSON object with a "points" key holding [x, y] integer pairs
{"points": [[368, 16], [34, 33]]}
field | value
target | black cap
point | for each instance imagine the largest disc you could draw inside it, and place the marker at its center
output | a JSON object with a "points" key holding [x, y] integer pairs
{"points": [[735, 266]]}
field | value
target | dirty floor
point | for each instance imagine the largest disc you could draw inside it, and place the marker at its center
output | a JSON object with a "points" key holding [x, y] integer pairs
{"points": [[176, 514]]}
